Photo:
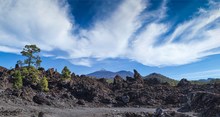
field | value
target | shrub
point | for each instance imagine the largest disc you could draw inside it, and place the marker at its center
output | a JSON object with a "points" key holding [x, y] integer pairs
{"points": [[33, 75], [18, 81], [24, 72], [66, 73], [44, 84]]}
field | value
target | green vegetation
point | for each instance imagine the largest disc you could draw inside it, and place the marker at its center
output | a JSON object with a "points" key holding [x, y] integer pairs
{"points": [[66, 73], [24, 72], [31, 52], [29, 72], [18, 81], [44, 84], [33, 75], [109, 80]]}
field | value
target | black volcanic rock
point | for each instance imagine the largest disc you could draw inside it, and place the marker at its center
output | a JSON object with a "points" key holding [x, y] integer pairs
{"points": [[118, 82], [118, 79], [205, 103], [40, 98], [2, 70], [138, 77], [183, 82]]}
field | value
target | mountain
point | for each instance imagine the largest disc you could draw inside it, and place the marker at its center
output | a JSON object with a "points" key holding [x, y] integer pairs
{"points": [[207, 80], [124, 74], [109, 74], [161, 78]]}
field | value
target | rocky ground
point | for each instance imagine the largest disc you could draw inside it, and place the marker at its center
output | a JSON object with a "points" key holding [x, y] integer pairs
{"points": [[87, 97]]}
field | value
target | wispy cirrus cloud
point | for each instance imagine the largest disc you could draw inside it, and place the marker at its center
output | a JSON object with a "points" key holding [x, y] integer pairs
{"points": [[124, 34]]}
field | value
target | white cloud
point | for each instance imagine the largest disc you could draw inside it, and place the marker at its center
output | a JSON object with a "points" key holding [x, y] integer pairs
{"points": [[48, 24], [190, 41], [42, 22], [109, 38]]}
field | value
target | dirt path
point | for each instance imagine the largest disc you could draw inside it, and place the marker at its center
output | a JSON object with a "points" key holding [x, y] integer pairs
{"points": [[33, 111]]}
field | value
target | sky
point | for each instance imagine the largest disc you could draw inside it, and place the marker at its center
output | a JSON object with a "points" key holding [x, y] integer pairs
{"points": [[177, 38]]}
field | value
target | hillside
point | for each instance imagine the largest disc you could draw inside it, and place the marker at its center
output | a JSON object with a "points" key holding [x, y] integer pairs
{"points": [[161, 78]]}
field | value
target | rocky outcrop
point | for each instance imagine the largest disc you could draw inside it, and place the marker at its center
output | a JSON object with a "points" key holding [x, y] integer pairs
{"points": [[183, 82], [90, 90], [118, 82], [138, 77], [51, 73], [2, 69]]}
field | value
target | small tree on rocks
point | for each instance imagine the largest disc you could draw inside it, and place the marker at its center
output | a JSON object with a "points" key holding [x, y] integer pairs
{"points": [[66, 73], [44, 84], [31, 52], [18, 82]]}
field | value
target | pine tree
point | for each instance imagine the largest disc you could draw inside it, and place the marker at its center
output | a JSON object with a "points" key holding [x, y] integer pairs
{"points": [[66, 73], [18, 81], [31, 52], [44, 84]]}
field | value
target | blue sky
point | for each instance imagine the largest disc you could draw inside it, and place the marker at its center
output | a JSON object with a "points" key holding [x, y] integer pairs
{"points": [[177, 38]]}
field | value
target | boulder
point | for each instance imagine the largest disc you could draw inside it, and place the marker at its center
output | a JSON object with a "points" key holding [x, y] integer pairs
{"points": [[40, 98], [27, 93], [41, 114], [125, 99], [159, 113], [81, 102]]}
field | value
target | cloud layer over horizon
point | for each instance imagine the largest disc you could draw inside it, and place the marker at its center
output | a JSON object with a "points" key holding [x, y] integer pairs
{"points": [[123, 34]]}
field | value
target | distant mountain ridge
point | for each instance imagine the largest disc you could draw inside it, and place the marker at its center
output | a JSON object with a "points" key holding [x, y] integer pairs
{"points": [[109, 74], [208, 79]]}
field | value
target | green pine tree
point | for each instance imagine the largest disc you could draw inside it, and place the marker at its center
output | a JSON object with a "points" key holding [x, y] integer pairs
{"points": [[18, 82], [66, 73], [44, 84]]}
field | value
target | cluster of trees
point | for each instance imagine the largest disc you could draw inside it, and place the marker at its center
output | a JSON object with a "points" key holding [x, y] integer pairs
{"points": [[28, 70]]}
